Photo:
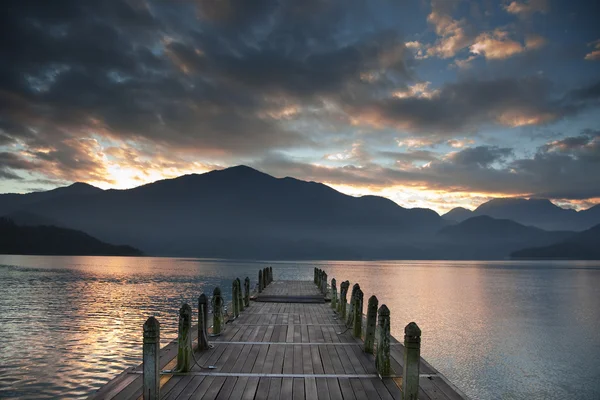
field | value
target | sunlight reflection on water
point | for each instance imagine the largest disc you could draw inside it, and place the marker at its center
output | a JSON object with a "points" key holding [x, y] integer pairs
{"points": [[495, 329]]}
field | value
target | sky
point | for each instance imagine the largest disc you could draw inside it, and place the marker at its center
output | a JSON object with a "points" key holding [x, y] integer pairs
{"points": [[431, 103]]}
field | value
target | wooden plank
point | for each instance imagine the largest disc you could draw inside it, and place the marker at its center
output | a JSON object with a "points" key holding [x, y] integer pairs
{"points": [[298, 389]]}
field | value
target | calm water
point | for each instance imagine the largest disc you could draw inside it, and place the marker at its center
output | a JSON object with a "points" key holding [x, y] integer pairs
{"points": [[509, 330]]}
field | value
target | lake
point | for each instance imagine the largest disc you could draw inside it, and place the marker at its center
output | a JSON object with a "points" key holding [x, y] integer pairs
{"points": [[497, 330]]}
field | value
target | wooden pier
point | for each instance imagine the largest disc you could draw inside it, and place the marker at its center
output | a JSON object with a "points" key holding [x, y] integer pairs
{"points": [[287, 340]]}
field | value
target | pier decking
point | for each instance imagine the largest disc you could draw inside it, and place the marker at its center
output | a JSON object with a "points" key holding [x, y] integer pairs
{"points": [[289, 343]]}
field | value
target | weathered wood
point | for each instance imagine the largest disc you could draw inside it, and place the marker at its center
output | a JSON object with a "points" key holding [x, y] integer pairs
{"points": [[382, 360], [371, 324], [343, 299], [315, 275], [240, 295], [412, 358], [184, 339], [358, 312], [151, 354], [234, 299], [217, 306], [247, 292], [349, 321], [324, 283], [260, 281], [333, 294], [282, 350], [202, 322]]}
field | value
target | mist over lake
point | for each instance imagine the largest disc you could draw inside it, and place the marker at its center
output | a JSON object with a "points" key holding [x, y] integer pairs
{"points": [[501, 329]]}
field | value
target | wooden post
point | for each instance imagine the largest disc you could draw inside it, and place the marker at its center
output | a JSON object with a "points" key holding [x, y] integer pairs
{"points": [[319, 278], [247, 292], [202, 322], [355, 289], [270, 274], [217, 306], [343, 299], [240, 297], [333, 294], [260, 281], [382, 358], [315, 275], [184, 339], [412, 361], [324, 283], [371, 324], [151, 355], [234, 299], [265, 278], [358, 311]]}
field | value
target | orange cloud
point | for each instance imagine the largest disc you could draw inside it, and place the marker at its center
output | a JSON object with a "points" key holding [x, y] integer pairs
{"points": [[594, 54]]}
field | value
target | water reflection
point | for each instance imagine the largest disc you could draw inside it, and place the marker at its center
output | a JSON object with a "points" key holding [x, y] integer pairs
{"points": [[496, 329]]}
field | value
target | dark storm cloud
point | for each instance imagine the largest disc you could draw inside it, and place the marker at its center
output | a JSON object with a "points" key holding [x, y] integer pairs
{"points": [[481, 156]]}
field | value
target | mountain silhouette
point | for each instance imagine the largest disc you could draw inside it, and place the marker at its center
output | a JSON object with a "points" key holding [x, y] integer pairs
{"points": [[486, 237], [541, 213], [51, 240], [240, 212], [581, 246]]}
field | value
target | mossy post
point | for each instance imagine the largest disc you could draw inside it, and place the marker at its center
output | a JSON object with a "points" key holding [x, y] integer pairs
{"points": [[240, 295], [350, 319], [412, 361], [202, 322], [234, 297], [333, 294], [343, 299], [151, 355], [318, 280], [371, 324], [382, 358], [358, 311], [184, 339], [324, 283], [247, 292], [260, 281], [217, 306]]}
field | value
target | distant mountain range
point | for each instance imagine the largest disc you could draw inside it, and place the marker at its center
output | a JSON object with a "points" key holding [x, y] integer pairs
{"points": [[582, 246], [240, 212], [51, 240], [541, 213]]}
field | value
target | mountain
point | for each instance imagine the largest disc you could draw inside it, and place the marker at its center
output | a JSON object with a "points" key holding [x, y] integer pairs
{"points": [[541, 213], [582, 246], [458, 214], [51, 240], [487, 237], [12, 202], [26, 218], [240, 212]]}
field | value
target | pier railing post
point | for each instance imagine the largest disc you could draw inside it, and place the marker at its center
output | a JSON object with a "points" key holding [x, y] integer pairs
{"points": [[265, 283], [217, 306], [382, 359], [260, 281], [343, 299], [355, 289], [412, 361], [324, 283], [202, 322], [371, 324], [151, 355], [333, 294], [234, 299], [184, 339], [358, 311], [315, 275], [247, 292], [240, 295], [270, 274]]}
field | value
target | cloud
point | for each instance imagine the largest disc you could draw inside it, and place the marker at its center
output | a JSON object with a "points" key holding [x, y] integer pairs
{"points": [[594, 54], [466, 106], [527, 7], [454, 35], [481, 156]]}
